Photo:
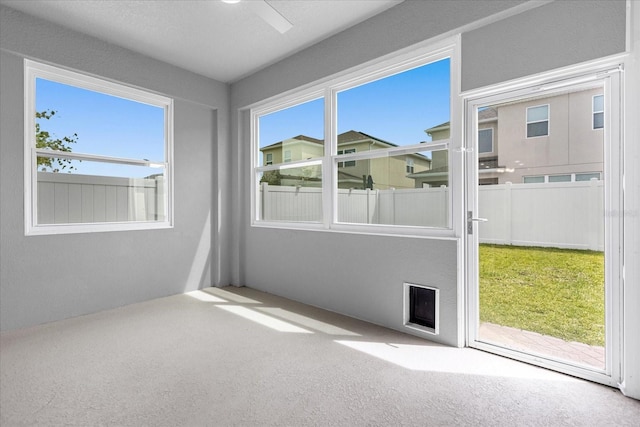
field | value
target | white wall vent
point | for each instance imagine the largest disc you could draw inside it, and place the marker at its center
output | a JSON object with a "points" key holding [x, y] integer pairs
{"points": [[421, 308]]}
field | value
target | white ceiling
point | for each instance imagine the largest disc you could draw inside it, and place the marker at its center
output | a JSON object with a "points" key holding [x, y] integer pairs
{"points": [[223, 41]]}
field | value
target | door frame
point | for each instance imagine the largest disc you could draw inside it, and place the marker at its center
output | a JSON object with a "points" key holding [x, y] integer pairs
{"points": [[610, 72]]}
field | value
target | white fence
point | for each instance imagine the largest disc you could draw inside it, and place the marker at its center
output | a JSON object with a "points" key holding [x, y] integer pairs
{"points": [[564, 215], [69, 198], [421, 207]]}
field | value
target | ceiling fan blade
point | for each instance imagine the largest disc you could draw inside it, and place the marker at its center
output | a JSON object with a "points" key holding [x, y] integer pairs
{"points": [[271, 16]]}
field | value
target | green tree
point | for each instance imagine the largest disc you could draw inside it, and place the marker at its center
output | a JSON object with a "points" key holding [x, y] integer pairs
{"points": [[45, 140], [272, 177]]}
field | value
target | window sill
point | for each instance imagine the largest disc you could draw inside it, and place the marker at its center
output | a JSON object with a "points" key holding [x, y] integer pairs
{"points": [[54, 229], [366, 229]]}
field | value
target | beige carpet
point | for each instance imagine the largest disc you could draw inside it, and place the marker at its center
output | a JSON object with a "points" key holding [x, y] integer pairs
{"points": [[238, 357]]}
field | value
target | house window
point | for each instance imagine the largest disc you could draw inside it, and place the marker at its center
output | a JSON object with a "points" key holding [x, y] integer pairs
{"points": [[409, 168], [268, 159], [348, 163], [287, 156], [533, 179], [572, 177], [97, 154], [377, 181], [587, 176], [537, 121], [598, 111], [485, 140], [559, 178]]}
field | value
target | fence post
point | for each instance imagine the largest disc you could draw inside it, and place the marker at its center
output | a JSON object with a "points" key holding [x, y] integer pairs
{"points": [[509, 212], [594, 219], [158, 207], [265, 200], [393, 206], [443, 202]]}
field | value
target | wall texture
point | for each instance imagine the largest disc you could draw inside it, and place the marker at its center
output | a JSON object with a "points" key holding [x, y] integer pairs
{"points": [[45, 278]]}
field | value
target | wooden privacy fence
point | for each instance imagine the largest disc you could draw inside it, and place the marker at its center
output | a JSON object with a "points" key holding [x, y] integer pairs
{"points": [[69, 198], [564, 215]]}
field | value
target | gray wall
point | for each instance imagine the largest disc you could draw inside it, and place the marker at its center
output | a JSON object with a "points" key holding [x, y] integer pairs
{"points": [[362, 275], [45, 278]]}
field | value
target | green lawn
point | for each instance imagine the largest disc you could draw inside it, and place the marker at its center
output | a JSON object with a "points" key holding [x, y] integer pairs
{"points": [[555, 292]]}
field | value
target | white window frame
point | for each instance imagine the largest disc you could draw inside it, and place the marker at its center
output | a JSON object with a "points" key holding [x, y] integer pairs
{"points": [[268, 160], [548, 120], [34, 70], [349, 163], [594, 112], [410, 167], [485, 152], [328, 88], [286, 157]]}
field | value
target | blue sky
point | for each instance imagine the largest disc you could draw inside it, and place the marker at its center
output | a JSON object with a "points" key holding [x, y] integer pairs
{"points": [[396, 109], [105, 125]]}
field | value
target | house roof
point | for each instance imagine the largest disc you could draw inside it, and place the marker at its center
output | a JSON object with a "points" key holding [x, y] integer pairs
{"points": [[343, 138], [488, 114], [299, 138]]}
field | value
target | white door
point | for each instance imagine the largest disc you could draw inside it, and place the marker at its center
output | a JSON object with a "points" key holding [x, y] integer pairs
{"points": [[543, 237]]}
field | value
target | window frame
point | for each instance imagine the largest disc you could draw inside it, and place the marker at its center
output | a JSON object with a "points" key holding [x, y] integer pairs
{"points": [[328, 88], [349, 163], [548, 120], [35, 70], [409, 165]]}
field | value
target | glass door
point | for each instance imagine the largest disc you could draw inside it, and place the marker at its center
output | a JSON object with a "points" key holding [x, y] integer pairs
{"points": [[542, 266]]}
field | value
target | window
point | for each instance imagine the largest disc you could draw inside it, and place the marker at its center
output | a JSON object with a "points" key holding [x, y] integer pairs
{"points": [[485, 140], [587, 176], [349, 163], [291, 191], [533, 179], [410, 163], [573, 177], [97, 154], [538, 121], [559, 178], [376, 168], [598, 111]]}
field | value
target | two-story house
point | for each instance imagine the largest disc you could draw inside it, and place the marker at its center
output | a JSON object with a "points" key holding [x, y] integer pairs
{"points": [[377, 173], [551, 139]]}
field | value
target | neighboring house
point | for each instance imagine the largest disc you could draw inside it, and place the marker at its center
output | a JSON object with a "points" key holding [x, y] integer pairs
{"points": [[381, 173], [552, 139]]}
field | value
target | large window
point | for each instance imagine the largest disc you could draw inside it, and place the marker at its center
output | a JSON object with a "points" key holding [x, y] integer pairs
{"points": [[538, 121], [97, 154], [376, 167]]}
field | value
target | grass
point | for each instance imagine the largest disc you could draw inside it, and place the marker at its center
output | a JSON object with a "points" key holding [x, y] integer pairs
{"points": [[555, 292]]}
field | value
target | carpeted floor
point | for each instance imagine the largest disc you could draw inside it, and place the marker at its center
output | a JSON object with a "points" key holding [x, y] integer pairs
{"points": [[239, 357]]}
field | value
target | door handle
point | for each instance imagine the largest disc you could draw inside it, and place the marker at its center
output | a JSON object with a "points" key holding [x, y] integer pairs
{"points": [[471, 219]]}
